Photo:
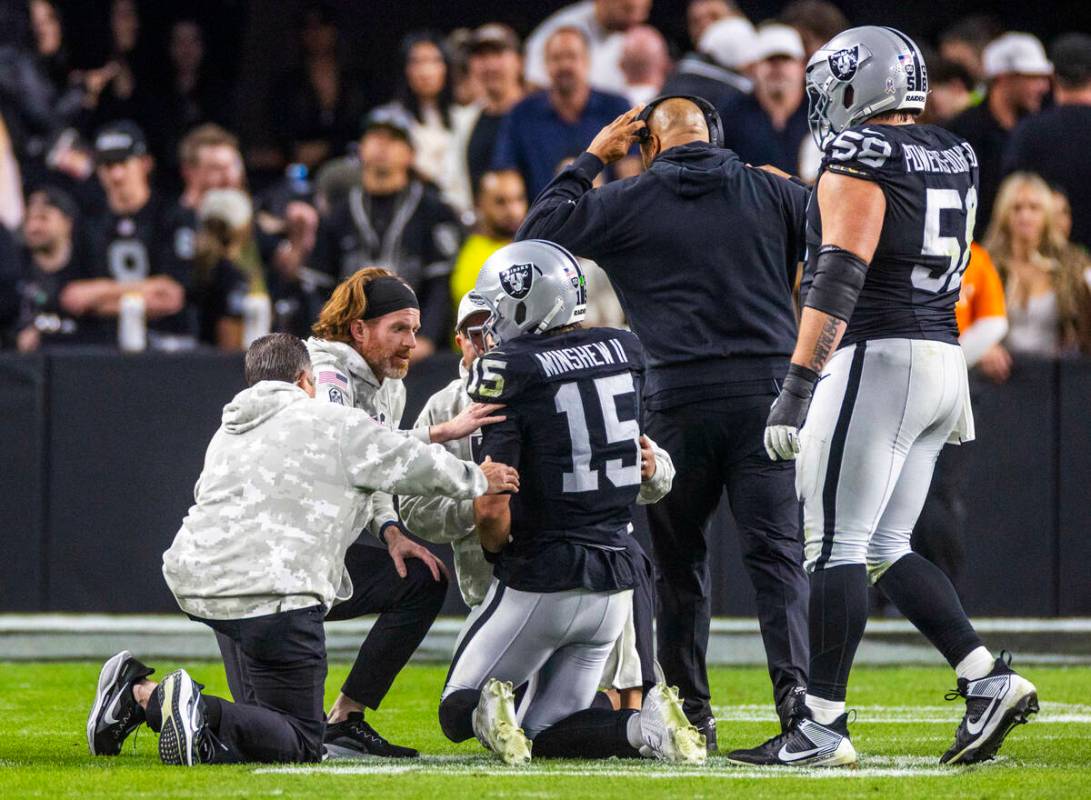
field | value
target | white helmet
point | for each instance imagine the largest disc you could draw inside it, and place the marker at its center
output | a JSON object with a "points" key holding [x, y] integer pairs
{"points": [[530, 287], [859, 73]]}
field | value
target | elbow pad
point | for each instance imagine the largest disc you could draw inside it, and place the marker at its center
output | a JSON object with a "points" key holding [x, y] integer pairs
{"points": [[839, 277]]}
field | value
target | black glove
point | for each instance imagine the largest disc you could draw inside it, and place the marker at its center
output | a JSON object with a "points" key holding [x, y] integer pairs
{"points": [[789, 412]]}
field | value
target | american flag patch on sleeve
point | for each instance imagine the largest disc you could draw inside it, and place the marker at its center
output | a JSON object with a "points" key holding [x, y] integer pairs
{"points": [[334, 378]]}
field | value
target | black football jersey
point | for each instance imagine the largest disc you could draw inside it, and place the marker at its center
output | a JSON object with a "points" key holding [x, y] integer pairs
{"points": [[572, 430], [929, 177], [132, 247]]}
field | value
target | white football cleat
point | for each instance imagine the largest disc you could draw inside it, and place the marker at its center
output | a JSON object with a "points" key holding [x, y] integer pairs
{"points": [[495, 724], [667, 734]]}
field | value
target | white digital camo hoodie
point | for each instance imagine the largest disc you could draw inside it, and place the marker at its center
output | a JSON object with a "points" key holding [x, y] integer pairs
{"points": [[343, 377], [286, 486]]}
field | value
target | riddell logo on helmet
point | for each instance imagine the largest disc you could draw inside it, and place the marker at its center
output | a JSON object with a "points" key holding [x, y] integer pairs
{"points": [[517, 279]]}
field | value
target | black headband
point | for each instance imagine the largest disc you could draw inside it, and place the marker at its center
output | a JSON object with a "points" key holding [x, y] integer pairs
{"points": [[386, 295]]}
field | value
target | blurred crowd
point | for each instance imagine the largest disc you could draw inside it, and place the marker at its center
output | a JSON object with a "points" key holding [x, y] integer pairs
{"points": [[128, 215]]}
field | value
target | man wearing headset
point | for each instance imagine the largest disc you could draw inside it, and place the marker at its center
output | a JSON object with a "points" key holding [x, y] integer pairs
{"points": [[703, 251]]}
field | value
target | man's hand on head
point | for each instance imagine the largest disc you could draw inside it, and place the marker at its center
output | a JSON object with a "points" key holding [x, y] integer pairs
{"points": [[613, 142]]}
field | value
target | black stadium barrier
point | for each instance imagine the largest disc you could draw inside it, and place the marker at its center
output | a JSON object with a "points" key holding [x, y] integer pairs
{"points": [[101, 452]]}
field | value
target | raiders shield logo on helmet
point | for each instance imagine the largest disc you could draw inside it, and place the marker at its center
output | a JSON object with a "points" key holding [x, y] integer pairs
{"points": [[843, 63], [517, 279]]}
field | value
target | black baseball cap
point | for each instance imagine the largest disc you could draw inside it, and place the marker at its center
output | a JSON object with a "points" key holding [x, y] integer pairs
{"points": [[393, 118], [1071, 54], [117, 141], [493, 36], [57, 198]]}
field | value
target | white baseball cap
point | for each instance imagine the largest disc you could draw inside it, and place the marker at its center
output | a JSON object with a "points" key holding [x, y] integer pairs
{"points": [[777, 40], [1015, 53], [728, 42], [469, 305]]}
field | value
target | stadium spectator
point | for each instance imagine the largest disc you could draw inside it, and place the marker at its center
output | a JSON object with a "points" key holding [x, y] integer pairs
{"points": [[950, 91], [497, 68], [982, 317], [126, 247], [118, 98], [816, 21], [11, 183], [187, 96], [770, 125], [1048, 299], [604, 24], [1055, 143], [465, 89], [714, 71], [426, 94], [645, 62], [392, 218], [319, 102], [49, 262], [702, 13], [554, 123], [1018, 73], [219, 285], [965, 43], [501, 207], [32, 110]]}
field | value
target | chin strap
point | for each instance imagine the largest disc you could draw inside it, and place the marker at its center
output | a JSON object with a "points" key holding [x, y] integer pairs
{"points": [[544, 325]]}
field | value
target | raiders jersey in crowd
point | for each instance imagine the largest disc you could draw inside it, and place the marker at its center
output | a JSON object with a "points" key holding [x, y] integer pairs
{"points": [[572, 431], [132, 247], [40, 305], [413, 233], [929, 178]]}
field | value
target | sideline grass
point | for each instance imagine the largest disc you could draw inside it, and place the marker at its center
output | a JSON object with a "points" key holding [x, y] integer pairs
{"points": [[903, 726]]}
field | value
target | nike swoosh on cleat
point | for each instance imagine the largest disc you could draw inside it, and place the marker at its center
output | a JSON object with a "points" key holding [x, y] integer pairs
{"points": [[786, 755], [109, 718], [975, 727]]}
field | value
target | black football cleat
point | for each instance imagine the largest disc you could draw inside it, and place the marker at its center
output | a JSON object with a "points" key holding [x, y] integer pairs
{"points": [[793, 704], [994, 705], [707, 728], [354, 738], [184, 739], [115, 713], [806, 743]]}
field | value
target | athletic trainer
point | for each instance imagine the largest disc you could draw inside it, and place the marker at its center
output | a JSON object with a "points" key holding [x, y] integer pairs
{"points": [[260, 558]]}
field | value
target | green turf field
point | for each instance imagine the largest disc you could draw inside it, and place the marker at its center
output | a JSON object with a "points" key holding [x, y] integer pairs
{"points": [[903, 726]]}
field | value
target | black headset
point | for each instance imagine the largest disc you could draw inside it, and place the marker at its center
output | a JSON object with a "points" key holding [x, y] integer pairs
{"points": [[712, 117]]}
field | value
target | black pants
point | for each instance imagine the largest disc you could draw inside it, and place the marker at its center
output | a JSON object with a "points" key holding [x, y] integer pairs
{"points": [[644, 614], [717, 444], [407, 607], [278, 663]]}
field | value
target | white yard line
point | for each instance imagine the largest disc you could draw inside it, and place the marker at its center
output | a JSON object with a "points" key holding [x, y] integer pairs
{"points": [[450, 766], [1051, 713]]}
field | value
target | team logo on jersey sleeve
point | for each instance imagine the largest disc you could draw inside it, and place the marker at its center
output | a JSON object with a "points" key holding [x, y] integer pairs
{"points": [[843, 63], [517, 280]]}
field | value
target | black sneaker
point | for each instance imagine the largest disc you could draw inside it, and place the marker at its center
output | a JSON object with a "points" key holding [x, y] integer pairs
{"points": [[183, 739], [806, 743], [115, 713], [354, 738], [793, 705], [707, 727], [994, 705]]}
